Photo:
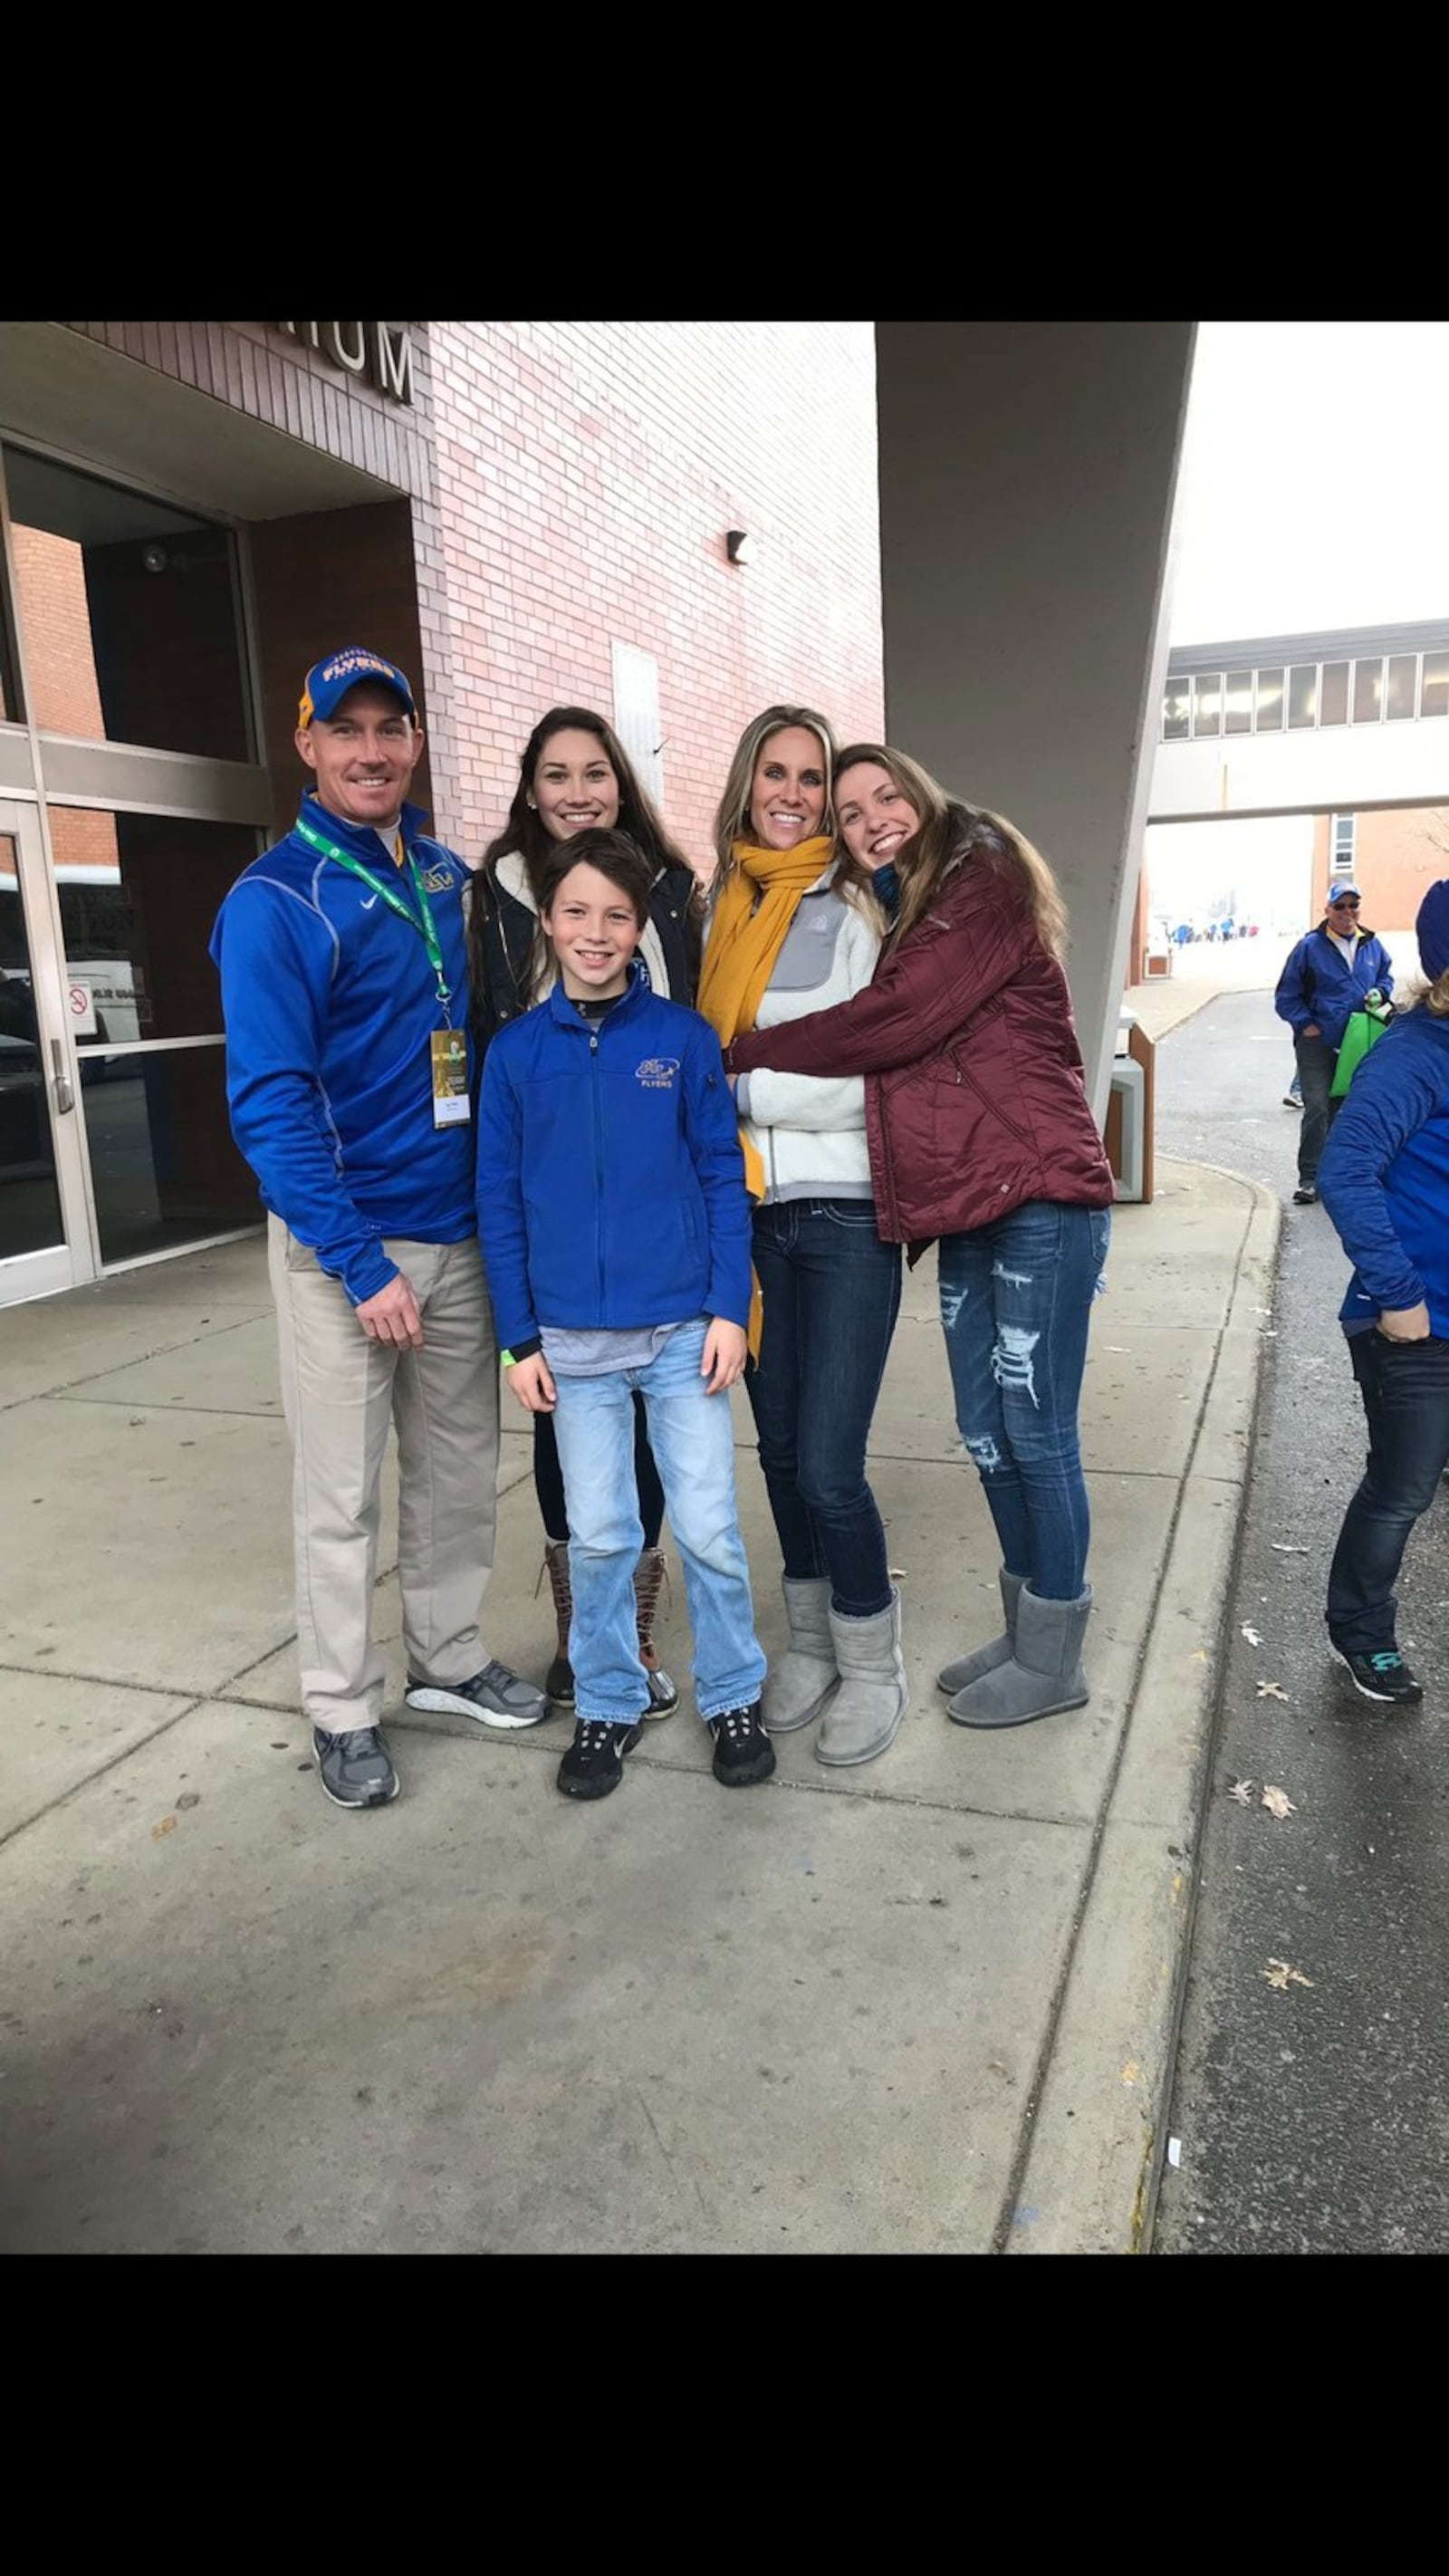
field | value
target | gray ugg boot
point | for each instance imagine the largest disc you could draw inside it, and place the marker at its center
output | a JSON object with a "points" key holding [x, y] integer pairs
{"points": [[969, 1668], [1045, 1673], [871, 1701], [805, 1677]]}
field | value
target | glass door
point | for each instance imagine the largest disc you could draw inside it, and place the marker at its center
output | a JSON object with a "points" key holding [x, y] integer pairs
{"points": [[45, 1222]]}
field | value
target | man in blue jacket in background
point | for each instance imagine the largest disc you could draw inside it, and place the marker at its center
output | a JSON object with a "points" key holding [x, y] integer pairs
{"points": [[344, 991], [1327, 976], [1386, 1186]]}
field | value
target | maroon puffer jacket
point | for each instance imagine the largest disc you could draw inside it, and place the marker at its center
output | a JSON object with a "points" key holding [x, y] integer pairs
{"points": [[974, 1099]]}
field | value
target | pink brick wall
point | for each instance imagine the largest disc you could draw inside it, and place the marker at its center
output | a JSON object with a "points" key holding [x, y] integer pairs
{"points": [[1398, 854], [585, 475]]}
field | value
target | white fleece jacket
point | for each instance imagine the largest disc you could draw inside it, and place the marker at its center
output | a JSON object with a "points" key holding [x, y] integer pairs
{"points": [[810, 1131]]}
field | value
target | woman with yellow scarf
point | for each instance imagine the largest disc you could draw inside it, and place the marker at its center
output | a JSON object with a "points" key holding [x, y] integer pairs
{"points": [[793, 928]]}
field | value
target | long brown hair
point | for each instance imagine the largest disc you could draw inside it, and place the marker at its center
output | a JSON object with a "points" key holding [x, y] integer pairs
{"points": [[526, 833], [952, 832]]}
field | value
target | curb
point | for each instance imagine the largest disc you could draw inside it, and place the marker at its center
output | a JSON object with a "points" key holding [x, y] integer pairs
{"points": [[1090, 2178]]}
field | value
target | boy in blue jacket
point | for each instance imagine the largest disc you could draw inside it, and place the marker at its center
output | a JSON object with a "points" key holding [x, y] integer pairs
{"points": [[615, 1228], [1327, 976], [1385, 1183]]}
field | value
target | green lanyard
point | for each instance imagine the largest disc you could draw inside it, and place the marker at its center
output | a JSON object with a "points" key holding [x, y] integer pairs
{"points": [[421, 921]]}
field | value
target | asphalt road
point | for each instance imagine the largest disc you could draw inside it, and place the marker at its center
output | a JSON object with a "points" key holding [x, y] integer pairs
{"points": [[1310, 2111]]}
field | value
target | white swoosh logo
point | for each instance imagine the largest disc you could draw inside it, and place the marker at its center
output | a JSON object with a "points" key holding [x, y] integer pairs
{"points": [[368, 901]]}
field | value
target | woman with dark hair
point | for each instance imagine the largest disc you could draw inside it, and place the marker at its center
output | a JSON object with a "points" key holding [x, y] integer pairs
{"points": [[981, 1138], [575, 776], [793, 927]]}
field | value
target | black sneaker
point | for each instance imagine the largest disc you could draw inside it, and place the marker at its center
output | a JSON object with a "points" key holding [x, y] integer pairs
{"points": [[594, 1762], [1384, 1676], [496, 1697], [356, 1767], [1305, 1195], [743, 1752]]}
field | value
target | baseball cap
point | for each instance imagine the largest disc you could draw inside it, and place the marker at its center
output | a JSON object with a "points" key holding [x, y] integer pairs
{"points": [[1342, 886], [327, 683]]}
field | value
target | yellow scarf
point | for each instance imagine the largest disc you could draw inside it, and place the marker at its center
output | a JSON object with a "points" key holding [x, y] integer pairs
{"points": [[745, 938]]}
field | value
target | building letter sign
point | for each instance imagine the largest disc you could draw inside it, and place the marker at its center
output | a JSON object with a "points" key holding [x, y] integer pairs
{"points": [[379, 351]]}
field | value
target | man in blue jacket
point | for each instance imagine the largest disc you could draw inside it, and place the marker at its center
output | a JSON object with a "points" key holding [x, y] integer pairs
{"points": [[344, 991], [1385, 1180], [1327, 977]]}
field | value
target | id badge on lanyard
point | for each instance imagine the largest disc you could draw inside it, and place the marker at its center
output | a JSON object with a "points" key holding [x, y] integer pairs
{"points": [[451, 1105], [447, 1046]]}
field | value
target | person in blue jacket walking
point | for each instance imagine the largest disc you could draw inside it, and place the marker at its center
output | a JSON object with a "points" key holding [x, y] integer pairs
{"points": [[616, 1230], [344, 993], [1329, 974], [1385, 1183]]}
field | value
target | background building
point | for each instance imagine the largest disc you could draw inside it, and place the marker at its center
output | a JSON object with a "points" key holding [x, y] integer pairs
{"points": [[1283, 761], [518, 513]]}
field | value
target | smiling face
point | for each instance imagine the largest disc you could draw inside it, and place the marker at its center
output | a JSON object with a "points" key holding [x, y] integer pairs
{"points": [[595, 931], [1342, 914], [874, 815], [787, 792], [363, 756], [574, 785]]}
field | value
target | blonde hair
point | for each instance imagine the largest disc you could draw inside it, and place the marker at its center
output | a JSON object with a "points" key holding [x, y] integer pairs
{"points": [[951, 831], [1431, 997]]}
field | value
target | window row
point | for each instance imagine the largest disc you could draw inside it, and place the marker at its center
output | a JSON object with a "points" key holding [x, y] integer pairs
{"points": [[1386, 688]]}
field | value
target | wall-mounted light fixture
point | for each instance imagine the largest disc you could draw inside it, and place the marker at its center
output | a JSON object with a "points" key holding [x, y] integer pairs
{"points": [[155, 558], [739, 545]]}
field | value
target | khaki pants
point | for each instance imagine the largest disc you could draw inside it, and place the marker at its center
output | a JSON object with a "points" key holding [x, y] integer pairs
{"points": [[340, 1389]]}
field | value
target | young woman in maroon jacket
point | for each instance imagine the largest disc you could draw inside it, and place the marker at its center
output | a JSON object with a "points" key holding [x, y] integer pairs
{"points": [[980, 1137]]}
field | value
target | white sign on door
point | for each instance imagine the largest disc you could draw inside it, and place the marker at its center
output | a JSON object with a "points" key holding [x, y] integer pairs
{"points": [[82, 1005]]}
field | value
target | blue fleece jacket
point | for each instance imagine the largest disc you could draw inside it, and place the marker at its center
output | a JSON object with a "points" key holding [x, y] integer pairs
{"points": [[611, 1183], [329, 1003], [1318, 984], [1384, 1175]]}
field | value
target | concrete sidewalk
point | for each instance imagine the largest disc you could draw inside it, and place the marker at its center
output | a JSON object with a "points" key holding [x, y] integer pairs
{"points": [[927, 2006]]}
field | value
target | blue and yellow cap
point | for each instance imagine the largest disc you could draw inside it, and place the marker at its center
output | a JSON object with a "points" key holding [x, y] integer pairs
{"points": [[327, 683]]}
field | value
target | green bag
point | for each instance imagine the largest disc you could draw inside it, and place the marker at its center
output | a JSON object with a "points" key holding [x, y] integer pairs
{"points": [[1363, 1031]]}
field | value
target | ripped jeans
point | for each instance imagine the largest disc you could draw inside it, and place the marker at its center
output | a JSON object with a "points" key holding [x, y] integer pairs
{"points": [[1016, 1300]]}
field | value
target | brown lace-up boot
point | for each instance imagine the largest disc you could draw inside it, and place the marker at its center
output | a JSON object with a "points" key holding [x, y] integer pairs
{"points": [[560, 1683], [649, 1575]]}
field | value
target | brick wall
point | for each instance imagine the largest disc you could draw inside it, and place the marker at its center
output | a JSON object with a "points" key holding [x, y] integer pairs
{"points": [[585, 476], [50, 582], [1398, 854]]}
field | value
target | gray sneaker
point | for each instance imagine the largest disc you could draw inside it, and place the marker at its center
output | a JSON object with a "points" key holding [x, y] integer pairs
{"points": [[496, 1697], [356, 1767]]}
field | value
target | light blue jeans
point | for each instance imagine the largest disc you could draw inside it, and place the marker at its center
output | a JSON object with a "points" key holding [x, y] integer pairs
{"points": [[692, 1437]]}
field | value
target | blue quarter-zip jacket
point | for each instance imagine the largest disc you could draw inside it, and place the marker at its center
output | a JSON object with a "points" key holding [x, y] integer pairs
{"points": [[329, 1004], [611, 1184], [1318, 984], [1384, 1175]]}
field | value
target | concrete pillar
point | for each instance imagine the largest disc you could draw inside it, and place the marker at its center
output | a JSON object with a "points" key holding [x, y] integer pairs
{"points": [[1028, 474]]}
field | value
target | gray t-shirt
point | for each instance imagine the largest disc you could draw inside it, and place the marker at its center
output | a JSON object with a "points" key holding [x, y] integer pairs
{"points": [[600, 1352]]}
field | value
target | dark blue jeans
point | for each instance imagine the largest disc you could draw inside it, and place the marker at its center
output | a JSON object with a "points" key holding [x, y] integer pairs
{"points": [[1016, 1300], [1405, 1390], [832, 1292], [1316, 1061]]}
